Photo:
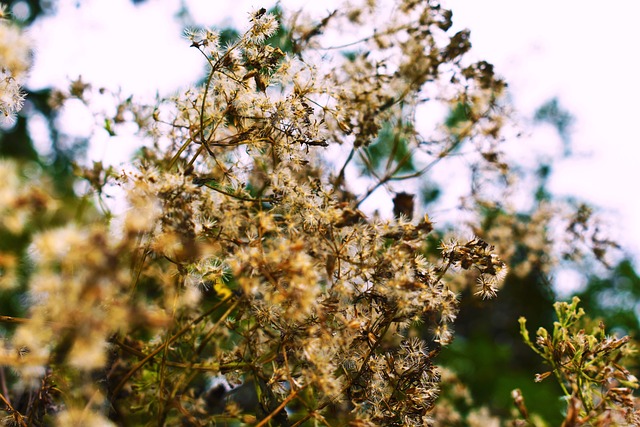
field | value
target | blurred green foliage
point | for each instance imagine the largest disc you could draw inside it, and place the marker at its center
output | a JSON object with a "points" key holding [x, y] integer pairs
{"points": [[615, 298], [389, 151], [553, 113]]}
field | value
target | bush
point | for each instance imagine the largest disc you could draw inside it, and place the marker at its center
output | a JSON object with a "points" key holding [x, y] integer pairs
{"points": [[242, 284]]}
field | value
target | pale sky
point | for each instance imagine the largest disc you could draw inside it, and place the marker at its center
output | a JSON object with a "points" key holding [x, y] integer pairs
{"points": [[579, 51], [586, 54]]}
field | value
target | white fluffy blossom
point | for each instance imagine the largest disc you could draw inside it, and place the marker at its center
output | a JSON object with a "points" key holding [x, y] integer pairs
{"points": [[15, 59]]}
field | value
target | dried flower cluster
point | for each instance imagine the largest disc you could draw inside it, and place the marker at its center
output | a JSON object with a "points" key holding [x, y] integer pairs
{"points": [[243, 285], [15, 59]]}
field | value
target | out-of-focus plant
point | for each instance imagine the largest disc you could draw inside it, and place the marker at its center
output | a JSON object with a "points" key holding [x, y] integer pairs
{"points": [[588, 365]]}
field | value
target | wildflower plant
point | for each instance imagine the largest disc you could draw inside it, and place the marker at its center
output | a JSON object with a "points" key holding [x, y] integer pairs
{"points": [[588, 365], [243, 284]]}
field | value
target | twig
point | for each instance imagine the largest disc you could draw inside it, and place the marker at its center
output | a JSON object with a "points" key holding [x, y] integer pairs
{"points": [[280, 407], [155, 352]]}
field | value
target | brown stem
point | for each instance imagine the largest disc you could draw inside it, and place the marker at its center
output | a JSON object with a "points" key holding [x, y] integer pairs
{"points": [[280, 407], [170, 341]]}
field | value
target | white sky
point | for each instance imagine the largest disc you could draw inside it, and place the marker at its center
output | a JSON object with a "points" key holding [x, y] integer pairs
{"points": [[585, 53]]}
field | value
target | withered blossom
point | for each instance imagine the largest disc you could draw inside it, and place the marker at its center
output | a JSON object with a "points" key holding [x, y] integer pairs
{"points": [[244, 256]]}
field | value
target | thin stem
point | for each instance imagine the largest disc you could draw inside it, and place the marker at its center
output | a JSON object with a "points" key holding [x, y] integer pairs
{"points": [[235, 196], [340, 178], [10, 319], [213, 367], [280, 407], [187, 377], [15, 414], [226, 314], [390, 175], [364, 39], [372, 349], [155, 352], [176, 156], [3, 380]]}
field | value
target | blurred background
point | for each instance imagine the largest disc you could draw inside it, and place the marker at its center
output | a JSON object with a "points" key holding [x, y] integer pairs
{"points": [[570, 68]]}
